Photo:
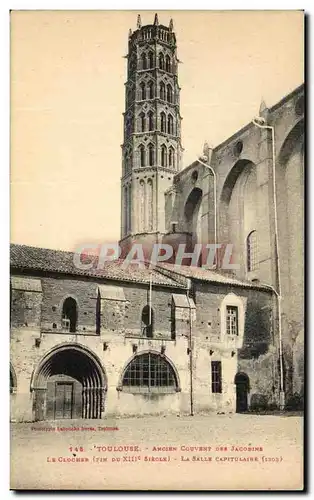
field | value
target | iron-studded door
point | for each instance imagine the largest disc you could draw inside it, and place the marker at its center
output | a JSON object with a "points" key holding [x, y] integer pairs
{"points": [[63, 400]]}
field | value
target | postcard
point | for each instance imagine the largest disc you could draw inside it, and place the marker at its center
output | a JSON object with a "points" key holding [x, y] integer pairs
{"points": [[157, 241]]}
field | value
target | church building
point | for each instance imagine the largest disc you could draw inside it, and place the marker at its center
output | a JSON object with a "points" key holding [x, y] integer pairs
{"points": [[113, 340]]}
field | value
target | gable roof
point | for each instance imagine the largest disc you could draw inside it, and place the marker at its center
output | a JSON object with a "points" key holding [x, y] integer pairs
{"points": [[29, 258], [208, 275]]}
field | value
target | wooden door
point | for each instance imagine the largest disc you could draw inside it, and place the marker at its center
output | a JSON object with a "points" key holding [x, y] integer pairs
{"points": [[63, 400]]}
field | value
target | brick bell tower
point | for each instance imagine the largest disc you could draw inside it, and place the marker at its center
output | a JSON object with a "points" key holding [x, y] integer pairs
{"points": [[151, 150]]}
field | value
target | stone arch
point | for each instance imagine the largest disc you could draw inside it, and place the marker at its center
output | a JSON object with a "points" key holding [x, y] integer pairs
{"points": [[238, 210], [78, 372], [192, 214], [290, 210], [294, 136]]}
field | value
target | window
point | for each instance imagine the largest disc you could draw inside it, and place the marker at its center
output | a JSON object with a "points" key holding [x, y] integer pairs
{"points": [[232, 320], [69, 315], [151, 59], [149, 373], [169, 93], [163, 155], [144, 61], [162, 91], [151, 155], [142, 92], [150, 120], [161, 61], [163, 122], [147, 322], [142, 156], [216, 377], [251, 251], [151, 90], [171, 157], [170, 124], [168, 64], [142, 122]]}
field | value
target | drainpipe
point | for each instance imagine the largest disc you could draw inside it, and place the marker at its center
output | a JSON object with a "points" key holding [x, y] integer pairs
{"points": [[190, 349], [215, 205], [260, 122]]}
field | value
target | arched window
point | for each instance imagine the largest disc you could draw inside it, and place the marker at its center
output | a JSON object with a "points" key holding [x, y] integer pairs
{"points": [[147, 322], [150, 59], [171, 157], [151, 90], [163, 156], [251, 251], [142, 91], [151, 155], [149, 372], [150, 120], [168, 64], [69, 315], [162, 91], [162, 122], [142, 122], [144, 61], [161, 61], [170, 124], [169, 93], [142, 156]]}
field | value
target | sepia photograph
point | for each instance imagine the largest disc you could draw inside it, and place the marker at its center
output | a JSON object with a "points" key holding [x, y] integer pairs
{"points": [[157, 250]]}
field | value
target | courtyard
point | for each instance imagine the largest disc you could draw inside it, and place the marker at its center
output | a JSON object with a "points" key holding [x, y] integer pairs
{"points": [[172, 452]]}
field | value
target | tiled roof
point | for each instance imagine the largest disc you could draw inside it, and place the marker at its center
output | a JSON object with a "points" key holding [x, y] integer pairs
{"points": [[201, 274], [43, 259]]}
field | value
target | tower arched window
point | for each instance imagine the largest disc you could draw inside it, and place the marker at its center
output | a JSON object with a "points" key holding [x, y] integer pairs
{"points": [[170, 124], [163, 156], [252, 251], [169, 93], [150, 120], [161, 61], [142, 156], [147, 322], [142, 122], [162, 91], [151, 90], [69, 315], [162, 122], [149, 372], [168, 63], [151, 151], [171, 157], [144, 61], [151, 59], [142, 91]]}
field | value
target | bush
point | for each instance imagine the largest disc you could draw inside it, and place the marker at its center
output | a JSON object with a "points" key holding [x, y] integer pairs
{"points": [[295, 402], [258, 402]]}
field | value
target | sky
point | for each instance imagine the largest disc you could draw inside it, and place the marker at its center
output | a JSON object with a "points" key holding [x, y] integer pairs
{"points": [[67, 98]]}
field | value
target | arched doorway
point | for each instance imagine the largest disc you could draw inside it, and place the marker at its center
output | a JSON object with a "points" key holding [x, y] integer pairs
{"points": [[68, 383], [242, 389]]}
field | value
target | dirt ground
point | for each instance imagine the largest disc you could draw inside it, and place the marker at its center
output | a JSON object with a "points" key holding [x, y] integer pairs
{"points": [[218, 452]]}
